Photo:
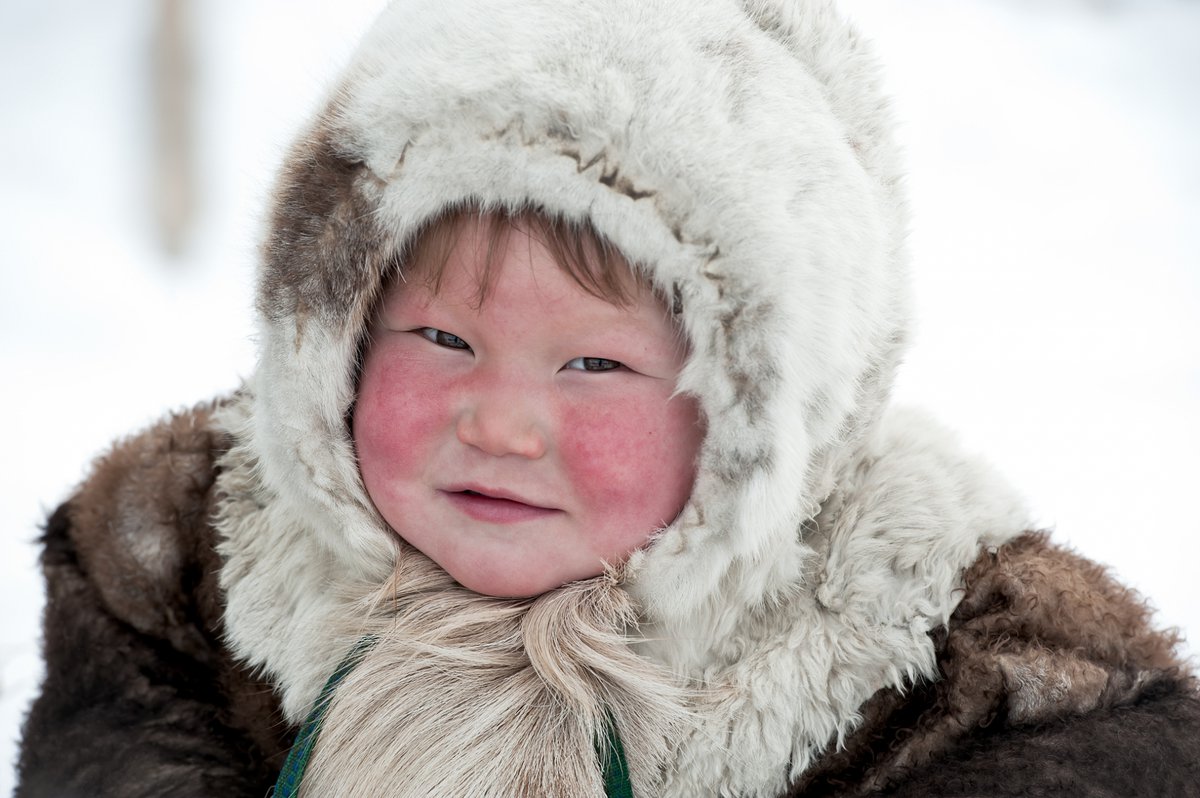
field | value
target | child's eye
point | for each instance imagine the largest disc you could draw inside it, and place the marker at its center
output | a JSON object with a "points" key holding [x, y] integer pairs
{"points": [[443, 338], [593, 364]]}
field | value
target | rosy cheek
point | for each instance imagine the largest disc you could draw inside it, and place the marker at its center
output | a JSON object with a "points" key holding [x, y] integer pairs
{"points": [[394, 417], [633, 459]]}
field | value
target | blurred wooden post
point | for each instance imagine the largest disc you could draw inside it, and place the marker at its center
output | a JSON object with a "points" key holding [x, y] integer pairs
{"points": [[174, 183]]}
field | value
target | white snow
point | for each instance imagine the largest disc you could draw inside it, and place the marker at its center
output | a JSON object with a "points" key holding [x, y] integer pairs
{"points": [[1055, 184]]}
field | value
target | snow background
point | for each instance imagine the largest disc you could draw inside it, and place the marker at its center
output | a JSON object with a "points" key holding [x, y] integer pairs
{"points": [[1055, 182]]}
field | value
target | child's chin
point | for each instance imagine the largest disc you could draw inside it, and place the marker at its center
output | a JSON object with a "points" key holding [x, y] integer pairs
{"points": [[511, 586]]}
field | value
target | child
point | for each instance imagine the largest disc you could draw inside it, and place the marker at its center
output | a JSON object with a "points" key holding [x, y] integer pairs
{"points": [[476, 413], [567, 468]]}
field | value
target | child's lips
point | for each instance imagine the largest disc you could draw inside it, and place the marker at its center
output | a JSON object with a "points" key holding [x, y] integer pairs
{"points": [[495, 506]]}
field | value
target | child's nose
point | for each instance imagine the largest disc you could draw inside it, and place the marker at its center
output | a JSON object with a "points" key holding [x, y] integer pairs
{"points": [[503, 423]]}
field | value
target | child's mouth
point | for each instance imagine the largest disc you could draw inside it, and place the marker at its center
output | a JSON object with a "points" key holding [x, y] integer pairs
{"points": [[494, 509]]}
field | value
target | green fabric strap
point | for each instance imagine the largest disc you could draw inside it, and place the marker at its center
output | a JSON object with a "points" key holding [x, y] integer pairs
{"points": [[288, 783], [616, 769]]}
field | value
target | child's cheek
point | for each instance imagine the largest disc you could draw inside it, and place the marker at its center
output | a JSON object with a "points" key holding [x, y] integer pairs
{"points": [[629, 458], [397, 415]]}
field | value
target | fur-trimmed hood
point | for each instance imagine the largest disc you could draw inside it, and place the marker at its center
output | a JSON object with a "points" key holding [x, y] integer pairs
{"points": [[741, 155]]}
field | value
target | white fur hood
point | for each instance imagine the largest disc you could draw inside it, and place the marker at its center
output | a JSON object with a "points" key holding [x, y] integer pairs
{"points": [[741, 151]]}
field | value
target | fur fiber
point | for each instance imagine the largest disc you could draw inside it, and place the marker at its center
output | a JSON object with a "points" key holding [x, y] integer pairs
{"points": [[454, 665], [1049, 679], [141, 698], [846, 604]]}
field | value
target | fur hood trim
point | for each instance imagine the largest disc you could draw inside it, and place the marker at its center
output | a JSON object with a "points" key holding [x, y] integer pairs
{"points": [[739, 153]]}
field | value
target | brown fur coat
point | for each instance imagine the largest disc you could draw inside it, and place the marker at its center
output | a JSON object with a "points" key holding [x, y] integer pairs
{"points": [[1051, 680]]}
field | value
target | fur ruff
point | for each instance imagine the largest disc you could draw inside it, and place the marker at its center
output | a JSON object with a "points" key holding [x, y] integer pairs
{"points": [[471, 695], [884, 568]]}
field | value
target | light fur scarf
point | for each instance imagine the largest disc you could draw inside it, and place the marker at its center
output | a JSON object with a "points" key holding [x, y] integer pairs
{"points": [[466, 695]]}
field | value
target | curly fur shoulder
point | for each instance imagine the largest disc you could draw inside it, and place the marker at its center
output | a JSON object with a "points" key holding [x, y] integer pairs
{"points": [[1047, 660], [136, 669], [140, 524]]}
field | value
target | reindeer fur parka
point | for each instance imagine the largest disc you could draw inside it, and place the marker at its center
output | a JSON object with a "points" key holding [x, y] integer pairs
{"points": [[847, 605]]}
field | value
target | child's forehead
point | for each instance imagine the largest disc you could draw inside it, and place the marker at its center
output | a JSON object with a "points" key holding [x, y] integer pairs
{"points": [[476, 244], [517, 280]]}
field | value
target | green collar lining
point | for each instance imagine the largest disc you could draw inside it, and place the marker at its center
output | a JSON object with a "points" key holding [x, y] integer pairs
{"points": [[609, 750]]}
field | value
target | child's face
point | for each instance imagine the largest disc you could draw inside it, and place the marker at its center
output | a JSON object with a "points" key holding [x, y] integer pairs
{"points": [[523, 442]]}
